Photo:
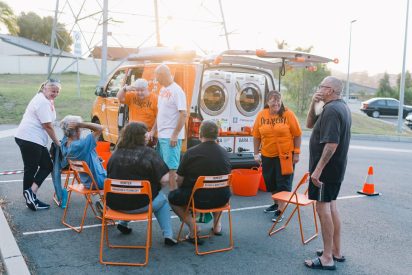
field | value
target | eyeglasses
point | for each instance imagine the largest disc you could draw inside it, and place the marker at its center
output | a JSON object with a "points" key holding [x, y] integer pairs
{"points": [[323, 86]]}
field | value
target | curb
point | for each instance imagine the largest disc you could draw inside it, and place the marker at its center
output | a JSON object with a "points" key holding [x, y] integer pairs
{"points": [[13, 260]]}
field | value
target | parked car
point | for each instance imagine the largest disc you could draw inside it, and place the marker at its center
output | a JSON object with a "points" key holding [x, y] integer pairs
{"points": [[228, 88], [378, 106], [408, 121]]}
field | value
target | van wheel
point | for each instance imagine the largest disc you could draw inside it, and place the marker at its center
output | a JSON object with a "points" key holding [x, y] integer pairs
{"points": [[375, 114], [97, 121]]}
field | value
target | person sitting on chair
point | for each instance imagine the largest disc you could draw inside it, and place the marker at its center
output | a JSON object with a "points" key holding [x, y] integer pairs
{"points": [[205, 159], [133, 160], [74, 147]]}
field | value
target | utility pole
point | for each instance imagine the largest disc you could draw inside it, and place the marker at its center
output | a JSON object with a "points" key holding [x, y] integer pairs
{"points": [[157, 24], [347, 77], [103, 70], [224, 25], [53, 38], [402, 88]]}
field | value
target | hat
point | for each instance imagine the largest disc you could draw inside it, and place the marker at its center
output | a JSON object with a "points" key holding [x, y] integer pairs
{"points": [[140, 84], [53, 82]]}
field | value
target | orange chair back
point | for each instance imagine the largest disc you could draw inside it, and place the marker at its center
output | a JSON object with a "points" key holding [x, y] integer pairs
{"points": [[81, 167], [127, 187], [212, 182]]}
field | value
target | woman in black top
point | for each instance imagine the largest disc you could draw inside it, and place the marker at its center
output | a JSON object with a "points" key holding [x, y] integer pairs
{"points": [[133, 160]]}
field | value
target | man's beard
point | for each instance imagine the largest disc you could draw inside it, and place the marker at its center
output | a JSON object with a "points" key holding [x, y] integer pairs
{"points": [[319, 107]]}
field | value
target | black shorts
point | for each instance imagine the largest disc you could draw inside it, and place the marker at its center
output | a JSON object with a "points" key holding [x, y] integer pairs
{"points": [[274, 180], [204, 199], [329, 192]]}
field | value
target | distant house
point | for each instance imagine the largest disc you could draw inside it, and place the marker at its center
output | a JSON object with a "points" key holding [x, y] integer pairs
{"points": [[358, 91], [113, 53], [19, 46]]}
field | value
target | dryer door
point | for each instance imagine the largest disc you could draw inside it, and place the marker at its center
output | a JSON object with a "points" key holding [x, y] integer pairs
{"points": [[214, 98], [249, 99]]}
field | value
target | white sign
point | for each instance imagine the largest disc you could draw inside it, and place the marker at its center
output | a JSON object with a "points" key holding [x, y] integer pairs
{"points": [[77, 44]]}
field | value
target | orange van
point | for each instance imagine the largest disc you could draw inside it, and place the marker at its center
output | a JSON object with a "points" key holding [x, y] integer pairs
{"points": [[228, 88]]}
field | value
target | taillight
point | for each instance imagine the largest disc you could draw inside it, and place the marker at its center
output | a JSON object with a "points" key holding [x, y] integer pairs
{"points": [[194, 127]]}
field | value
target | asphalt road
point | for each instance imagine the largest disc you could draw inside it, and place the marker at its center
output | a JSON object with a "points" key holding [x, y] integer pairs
{"points": [[376, 239]]}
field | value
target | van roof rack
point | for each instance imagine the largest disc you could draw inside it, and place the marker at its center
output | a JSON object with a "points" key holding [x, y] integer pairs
{"points": [[160, 54]]}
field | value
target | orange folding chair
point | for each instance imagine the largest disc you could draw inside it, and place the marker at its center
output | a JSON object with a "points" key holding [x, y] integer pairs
{"points": [[126, 187], [79, 167], [298, 200], [209, 182]]}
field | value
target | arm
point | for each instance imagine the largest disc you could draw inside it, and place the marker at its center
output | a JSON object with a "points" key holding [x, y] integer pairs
{"points": [[164, 181], [296, 152], [311, 117], [180, 123], [96, 129], [179, 180], [256, 146], [50, 131], [327, 154], [121, 94]]}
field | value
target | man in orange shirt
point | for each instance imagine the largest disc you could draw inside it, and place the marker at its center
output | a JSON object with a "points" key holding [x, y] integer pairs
{"points": [[142, 103]]}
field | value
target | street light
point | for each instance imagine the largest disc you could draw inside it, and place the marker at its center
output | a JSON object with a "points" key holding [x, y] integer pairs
{"points": [[347, 77]]}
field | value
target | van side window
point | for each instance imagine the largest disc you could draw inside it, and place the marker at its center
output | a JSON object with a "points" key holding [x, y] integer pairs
{"points": [[116, 83], [134, 74]]}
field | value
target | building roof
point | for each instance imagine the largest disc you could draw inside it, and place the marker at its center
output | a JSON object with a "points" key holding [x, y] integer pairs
{"points": [[114, 53], [34, 46]]}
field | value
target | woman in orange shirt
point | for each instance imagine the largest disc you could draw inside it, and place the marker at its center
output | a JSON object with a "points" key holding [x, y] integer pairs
{"points": [[277, 133]]}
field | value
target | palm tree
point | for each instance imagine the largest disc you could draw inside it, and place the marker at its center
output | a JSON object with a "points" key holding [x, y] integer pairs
{"points": [[8, 18]]}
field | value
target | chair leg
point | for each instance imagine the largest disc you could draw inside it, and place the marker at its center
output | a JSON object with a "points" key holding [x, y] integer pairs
{"points": [[272, 231], [301, 229], [102, 240], [78, 230]]}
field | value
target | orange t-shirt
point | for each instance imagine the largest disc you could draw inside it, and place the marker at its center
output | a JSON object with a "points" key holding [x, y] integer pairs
{"points": [[144, 110], [273, 129]]}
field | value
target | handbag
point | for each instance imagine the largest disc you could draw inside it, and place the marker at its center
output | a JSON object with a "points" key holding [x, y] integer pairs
{"points": [[204, 217], [286, 162]]}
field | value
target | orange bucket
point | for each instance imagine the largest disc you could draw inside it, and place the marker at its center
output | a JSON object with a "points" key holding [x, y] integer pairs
{"points": [[262, 185], [245, 182], [102, 147]]}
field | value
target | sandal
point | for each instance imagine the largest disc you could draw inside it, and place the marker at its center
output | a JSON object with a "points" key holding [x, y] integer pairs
{"points": [[193, 240], [216, 233], [340, 260], [317, 264]]}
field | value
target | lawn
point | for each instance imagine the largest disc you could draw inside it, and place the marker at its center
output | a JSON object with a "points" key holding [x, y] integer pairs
{"points": [[17, 90]]}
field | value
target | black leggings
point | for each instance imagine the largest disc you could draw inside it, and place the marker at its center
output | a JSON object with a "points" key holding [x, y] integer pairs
{"points": [[37, 162]]}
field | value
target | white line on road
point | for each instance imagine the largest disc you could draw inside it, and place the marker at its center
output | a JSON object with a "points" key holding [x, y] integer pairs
{"points": [[173, 217], [7, 181]]}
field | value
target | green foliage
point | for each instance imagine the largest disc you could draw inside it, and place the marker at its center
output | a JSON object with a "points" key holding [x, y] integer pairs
{"points": [[385, 89], [33, 27], [8, 18], [301, 84], [17, 90]]}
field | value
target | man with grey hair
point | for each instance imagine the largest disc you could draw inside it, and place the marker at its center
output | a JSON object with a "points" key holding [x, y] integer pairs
{"points": [[75, 147], [141, 102], [329, 144], [170, 122], [205, 159]]}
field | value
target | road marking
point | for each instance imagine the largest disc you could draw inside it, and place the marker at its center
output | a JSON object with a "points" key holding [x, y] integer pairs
{"points": [[7, 181], [382, 149], [173, 217]]}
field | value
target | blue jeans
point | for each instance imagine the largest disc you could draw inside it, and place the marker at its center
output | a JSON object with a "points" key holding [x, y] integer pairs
{"points": [[161, 211]]}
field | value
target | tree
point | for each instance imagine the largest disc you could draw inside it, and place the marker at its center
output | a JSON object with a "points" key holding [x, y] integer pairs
{"points": [[302, 83], [8, 18], [385, 89], [33, 27]]}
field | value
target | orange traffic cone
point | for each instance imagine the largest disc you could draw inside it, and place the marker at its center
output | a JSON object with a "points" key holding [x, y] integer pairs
{"points": [[368, 186]]}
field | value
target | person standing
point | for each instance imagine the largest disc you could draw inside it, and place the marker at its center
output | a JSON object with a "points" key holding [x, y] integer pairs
{"points": [[142, 103], [328, 146], [277, 134], [170, 122], [32, 138]]}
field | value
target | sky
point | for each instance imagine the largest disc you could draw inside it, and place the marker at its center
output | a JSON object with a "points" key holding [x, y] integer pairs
{"points": [[378, 34]]}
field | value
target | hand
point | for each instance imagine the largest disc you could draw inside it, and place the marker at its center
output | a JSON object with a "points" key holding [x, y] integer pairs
{"points": [[318, 96], [315, 178], [149, 136], [173, 140], [57, 142], [258, 158], [72, 125], [295, 158]]}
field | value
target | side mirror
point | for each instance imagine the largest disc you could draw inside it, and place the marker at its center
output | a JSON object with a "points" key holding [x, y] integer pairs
{"points": [[99, 91]]}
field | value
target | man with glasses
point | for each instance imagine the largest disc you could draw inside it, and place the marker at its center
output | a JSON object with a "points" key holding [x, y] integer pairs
{"points": [[142, 104], [329, 144]]}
